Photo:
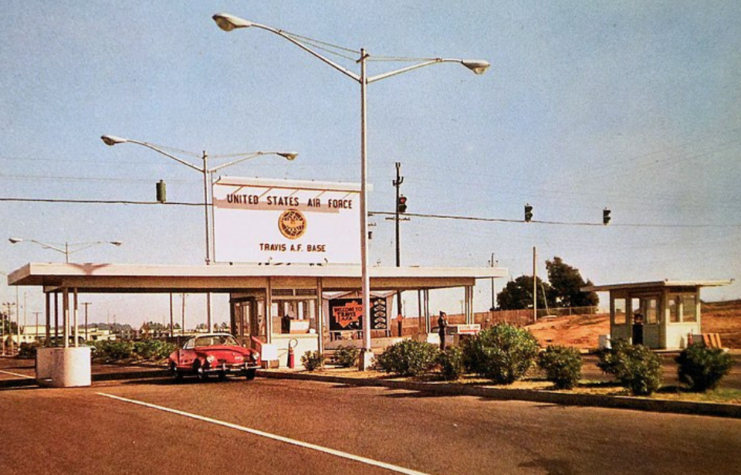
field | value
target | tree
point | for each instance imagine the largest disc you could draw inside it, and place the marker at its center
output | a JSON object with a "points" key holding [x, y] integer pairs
{"points": [[518, 294], [566, 283]]}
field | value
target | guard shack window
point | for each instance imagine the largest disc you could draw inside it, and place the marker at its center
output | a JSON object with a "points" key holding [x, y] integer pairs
{"points": [[619, 311], [682, 308]]}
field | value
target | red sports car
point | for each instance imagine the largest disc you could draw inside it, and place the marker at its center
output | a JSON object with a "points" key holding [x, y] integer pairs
{"points": [[214, 353]]}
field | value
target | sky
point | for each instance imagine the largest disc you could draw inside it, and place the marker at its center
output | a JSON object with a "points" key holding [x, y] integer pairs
{"points": [[631, 106]]}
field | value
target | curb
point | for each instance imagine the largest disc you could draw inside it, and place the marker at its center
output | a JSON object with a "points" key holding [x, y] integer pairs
{"points": [[551, 397]]}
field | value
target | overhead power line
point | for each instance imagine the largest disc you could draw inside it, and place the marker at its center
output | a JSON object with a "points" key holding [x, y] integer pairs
{"points": [[101, 202], [386, 213], [556, 223]]}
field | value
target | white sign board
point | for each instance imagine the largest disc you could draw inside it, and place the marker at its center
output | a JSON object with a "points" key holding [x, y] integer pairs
{"points": [[280, 221]]}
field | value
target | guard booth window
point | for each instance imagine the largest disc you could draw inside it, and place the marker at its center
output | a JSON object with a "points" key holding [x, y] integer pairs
{"points": [[619, 305], [682, 308], [294, 316], [689, 308], [674, 302]]}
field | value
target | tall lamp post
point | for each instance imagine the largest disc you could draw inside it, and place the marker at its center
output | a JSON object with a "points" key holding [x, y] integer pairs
{"points": [[68, 248], [207, 172], [229, 22]]}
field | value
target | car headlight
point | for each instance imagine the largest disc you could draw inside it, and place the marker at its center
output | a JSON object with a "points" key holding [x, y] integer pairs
{"points": [[255, 355], [210, 359]]}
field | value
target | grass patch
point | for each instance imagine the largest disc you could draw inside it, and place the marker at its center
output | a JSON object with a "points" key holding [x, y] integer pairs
{"points": [[718, 395]]}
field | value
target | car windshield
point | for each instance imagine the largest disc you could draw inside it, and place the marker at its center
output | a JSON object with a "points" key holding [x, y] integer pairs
{"points": [[213, 340]]}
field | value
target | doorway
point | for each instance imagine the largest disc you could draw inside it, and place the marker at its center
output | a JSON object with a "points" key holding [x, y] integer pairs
{"points": [[248, 319]]}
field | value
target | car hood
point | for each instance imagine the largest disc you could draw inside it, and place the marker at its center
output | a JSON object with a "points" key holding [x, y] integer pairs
{"points": [[223, 349]]}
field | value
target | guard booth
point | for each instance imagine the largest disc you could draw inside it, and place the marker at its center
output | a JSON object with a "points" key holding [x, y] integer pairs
{"points": [[658, 315]]}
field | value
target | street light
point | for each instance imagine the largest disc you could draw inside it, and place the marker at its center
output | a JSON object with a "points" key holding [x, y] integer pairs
{"points": [[229, 22], [68, 248], [112, 140]]}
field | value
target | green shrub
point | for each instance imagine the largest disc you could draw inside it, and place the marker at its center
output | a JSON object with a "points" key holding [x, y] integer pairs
{"points": [[115, 350], [408, 358], [502, 353], [346, 356], [313, 360], [562, 366], [451, 363], [152, 349], [635, 367], [702, 368]]}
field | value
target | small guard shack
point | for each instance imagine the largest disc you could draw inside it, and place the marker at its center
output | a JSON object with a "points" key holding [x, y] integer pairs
{"points": [[659, 315]]}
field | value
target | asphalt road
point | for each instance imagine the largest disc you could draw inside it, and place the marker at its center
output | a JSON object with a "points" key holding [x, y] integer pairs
{"points": [[294, 427]]}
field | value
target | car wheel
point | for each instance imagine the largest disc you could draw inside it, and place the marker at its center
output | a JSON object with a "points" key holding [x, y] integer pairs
{"points": [[177, 374], [251, 373], [198, 369]]}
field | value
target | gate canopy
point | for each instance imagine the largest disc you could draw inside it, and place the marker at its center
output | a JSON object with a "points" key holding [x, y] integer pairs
{"points": [[134, 278]]}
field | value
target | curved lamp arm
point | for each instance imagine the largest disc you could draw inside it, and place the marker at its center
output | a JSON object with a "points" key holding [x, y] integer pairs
{"points": [[44, 245], [286, 155], [112, 140], [92, 244], [478, 66], [229, 22]]}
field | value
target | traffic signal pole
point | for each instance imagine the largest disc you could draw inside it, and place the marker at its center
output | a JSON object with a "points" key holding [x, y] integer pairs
{"points": [[397, 183]]}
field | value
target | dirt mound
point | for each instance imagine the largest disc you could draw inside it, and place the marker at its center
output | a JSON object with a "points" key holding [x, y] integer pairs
{"points": [[723, 318], [583, 331]]}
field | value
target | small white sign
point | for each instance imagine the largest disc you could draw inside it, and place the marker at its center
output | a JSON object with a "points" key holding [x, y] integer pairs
{"points": [[281, 222]]}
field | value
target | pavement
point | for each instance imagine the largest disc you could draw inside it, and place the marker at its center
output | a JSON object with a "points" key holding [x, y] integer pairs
{"points": [[20, 373], [271, 426]]}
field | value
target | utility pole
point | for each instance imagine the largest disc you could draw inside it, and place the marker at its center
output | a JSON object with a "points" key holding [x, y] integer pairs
{"points": [[2, 331], [182, 330], [172, 331], [535, 285], [9, 319], [397, 184], [492, 263], [36, 335], [86, 304]]}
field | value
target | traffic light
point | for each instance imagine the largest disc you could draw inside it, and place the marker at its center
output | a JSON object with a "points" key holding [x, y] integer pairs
{"points": [[528, 213], [606, 216], [161, 191], [401, 206]]}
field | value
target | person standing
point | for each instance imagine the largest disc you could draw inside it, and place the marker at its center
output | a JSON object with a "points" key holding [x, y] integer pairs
{"points": [[442, 325]]}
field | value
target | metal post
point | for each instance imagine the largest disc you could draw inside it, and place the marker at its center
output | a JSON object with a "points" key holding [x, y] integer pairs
{"points": [[320, 312], [366, 358], [56, 318], [86, 304], [208, 231], [76, 331], [182, 330], [17, 320], [535, 284], [48, 318], [493, 289], [65, 316], [2, 331], [397, 183], [172, 326]]}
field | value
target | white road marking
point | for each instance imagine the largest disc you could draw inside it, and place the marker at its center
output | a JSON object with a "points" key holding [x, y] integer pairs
{"points": [[279, 438], [16, 374]]}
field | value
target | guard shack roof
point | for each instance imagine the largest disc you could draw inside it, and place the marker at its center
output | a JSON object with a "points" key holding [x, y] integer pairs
{"points": [[133, 278], [659, 284]]}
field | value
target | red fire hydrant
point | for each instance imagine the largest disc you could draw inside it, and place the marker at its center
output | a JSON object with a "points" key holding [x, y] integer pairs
{"points": [[291, 358]]}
